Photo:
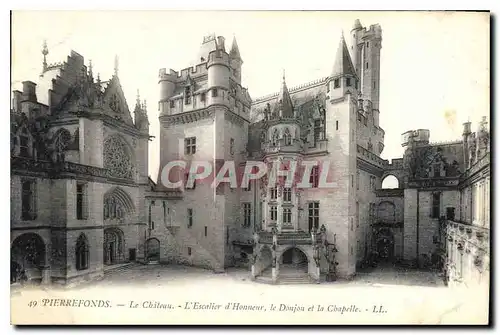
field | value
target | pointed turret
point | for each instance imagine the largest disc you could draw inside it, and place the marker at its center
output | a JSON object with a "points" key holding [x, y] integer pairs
{"points": [[343, 63], [343, 78], [235, 51], [284, 106]]}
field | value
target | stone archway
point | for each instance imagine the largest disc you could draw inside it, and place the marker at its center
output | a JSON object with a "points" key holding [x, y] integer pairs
{"points": [[28, 258], [293, 261], [153, 250], [384, 245], [113, 246]]}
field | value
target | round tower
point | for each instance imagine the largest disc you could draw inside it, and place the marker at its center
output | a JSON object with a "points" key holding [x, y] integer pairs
{"points": [[167, 88], [219, 71]]}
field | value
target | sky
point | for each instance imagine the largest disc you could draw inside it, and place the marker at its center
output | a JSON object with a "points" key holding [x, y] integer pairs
{"points": [[434, 65]]}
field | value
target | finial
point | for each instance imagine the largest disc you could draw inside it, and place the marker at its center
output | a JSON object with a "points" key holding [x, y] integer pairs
{"points": [[283, 75], [98, 78], [342, 35], [45, 52], [116, 65]]}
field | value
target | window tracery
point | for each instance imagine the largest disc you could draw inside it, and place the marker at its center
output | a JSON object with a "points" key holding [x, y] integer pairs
{"points": [[117, 158], [276, 136]]}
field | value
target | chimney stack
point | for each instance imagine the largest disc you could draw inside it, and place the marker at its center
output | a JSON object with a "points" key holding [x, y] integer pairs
{"points": [[29, 91], [221, 43]]}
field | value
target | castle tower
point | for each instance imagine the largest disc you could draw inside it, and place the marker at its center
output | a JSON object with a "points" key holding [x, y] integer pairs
{"points": [[282, 202], [341, 117], [366, 45]]}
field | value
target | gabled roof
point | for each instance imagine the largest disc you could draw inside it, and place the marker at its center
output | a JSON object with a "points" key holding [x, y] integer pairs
{"points": [[343, 63]]}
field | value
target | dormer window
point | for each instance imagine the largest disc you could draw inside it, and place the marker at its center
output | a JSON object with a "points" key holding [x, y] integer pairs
{"points": [[187, 95], [336, 83], [348, 82]]}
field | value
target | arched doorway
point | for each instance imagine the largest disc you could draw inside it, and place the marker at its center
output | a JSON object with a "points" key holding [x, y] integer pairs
{"points": [[27, 258], [153, 250], [384, 245], [293, 260], [113, 246]]}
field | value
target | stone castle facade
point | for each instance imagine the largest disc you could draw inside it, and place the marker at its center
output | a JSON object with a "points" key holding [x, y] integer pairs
{"points": [[103, 209]]}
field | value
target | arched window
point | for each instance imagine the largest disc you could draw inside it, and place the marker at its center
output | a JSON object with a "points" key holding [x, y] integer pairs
{"points": [[117, 157], [82, 253], [276, 137], [390, 182], [287, 137], [117, 204]]}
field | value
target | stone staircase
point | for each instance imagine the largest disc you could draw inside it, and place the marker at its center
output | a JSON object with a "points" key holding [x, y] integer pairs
{"points": [[288, 275], [117, 268]]}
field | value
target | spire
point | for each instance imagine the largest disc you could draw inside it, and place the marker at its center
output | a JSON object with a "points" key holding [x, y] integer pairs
{"points": [[116, 65], [284, 105], [235, 51], [45, 52], [343, 63], [90, 69]]}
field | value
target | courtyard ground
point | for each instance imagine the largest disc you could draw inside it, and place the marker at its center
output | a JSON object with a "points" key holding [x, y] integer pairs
{"points": [[175, 294]]}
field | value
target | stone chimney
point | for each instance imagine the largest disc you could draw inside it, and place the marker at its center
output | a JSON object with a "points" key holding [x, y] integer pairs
{"points": [[467, 128], [16, 100], [29, 91], [221, 43]]}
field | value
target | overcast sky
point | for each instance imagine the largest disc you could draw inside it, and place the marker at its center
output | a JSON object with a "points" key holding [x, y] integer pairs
{"points": [[434, 66]]}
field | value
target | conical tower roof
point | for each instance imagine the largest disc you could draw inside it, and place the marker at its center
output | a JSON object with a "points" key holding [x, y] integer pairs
{"points": [[343, 63], [284, 100], [235, 51]]}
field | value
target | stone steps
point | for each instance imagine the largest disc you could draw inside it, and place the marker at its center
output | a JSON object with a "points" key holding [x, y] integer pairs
{"points": [[118, 269]]}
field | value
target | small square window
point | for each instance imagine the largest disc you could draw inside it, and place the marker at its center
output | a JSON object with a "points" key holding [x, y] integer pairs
{"points": [[189, 251], [214, 92], [336, 83], [172, 103], [348, 82], [203, 97]]}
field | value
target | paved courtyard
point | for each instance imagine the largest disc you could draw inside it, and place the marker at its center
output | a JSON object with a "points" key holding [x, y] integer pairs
{"points": [[139, 294], [159, 275]]}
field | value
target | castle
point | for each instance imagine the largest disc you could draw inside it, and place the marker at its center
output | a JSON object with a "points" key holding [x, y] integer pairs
{"points": [[85, 153]]}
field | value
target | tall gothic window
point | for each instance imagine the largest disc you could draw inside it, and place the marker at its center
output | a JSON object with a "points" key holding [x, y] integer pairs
{"points": [[318, 133], [81, 201], [274, 213], [287, 137], [28, 200], [187, 95], [313, 216], [82, 253], [117, 157], [246, 214], [287, 194], [287, 216], [314, 178], [436, 205]]}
